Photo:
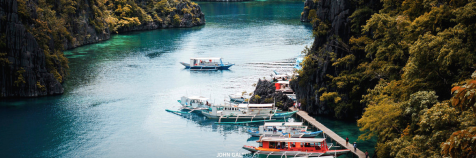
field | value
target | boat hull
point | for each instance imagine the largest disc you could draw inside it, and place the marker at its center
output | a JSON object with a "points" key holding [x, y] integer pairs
{"points": [[247, 117], [219, 67], [207, 67], [237, 100], [294, 153], [187, 66], [281, 153], [195, 110]]}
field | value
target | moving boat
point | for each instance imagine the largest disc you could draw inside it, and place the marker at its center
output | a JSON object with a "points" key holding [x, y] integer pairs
{"points": [[206, 64], [194, 103], [246, 111], [294, 147], [295, 129]]}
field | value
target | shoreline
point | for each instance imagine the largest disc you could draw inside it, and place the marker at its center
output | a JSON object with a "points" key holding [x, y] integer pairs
{"points": [[132, 31]]}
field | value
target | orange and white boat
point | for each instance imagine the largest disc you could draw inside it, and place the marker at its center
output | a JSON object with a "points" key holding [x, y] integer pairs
{"points": [[294, 147]]}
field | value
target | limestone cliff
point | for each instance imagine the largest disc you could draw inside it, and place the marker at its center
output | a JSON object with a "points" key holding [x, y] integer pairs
{"points": [[25, 73], [34, 33], [332, 28]]}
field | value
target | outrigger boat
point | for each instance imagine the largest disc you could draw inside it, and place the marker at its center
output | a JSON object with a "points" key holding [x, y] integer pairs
{"points": [[239, 98], [292, 97], [206, 64], [246, 111], [194, 103], [294, 147], [295, 129]]}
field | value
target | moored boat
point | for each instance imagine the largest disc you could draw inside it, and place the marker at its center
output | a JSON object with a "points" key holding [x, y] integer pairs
{"points": [[239, 97], [283, 86], [299, 60], [207, 64], [294, 129], [294, 147], [246, 111], [194, 103]]}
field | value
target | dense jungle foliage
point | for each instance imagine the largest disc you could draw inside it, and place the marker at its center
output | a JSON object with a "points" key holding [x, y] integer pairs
{"points": [[55, 23], [411, 64]]}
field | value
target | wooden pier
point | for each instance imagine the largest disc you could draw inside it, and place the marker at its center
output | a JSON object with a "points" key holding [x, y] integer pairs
{"points": [[330, 133]]}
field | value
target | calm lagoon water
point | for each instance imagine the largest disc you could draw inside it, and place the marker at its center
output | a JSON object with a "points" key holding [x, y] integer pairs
{"points": [[117, 91]]}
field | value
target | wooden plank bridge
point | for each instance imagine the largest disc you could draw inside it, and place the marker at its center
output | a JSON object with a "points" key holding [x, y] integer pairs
{"points": [[329, 133]]}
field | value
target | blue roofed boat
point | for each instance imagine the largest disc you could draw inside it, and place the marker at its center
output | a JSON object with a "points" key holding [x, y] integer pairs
{"points": [[207, 64], [299, 60]]}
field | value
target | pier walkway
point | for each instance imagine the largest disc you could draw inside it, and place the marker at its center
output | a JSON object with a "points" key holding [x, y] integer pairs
{"points": [[329, 133]]}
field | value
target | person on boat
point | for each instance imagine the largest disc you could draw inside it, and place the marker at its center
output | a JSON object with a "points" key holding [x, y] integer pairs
{"points": [[355, 146], [317, 147], [346, 141], [207, 103], [274, 129], [366, 154], [275, 80]]}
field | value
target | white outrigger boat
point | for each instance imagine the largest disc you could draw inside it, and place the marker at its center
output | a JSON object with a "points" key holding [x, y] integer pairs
{"points": [[246, 111], [194, 103], [294, 129], [207, 64]]}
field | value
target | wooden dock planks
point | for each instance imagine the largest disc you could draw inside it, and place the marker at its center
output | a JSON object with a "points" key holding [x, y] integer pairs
{"points": [[330, 133]]}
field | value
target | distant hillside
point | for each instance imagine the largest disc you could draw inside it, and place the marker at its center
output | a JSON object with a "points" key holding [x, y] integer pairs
{"points": [[34, 33]]}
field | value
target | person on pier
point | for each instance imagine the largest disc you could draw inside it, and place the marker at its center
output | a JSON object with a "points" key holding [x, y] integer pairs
{"points": [[346, 141]]}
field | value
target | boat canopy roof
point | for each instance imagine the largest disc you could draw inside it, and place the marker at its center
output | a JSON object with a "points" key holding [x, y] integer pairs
{"points": [[198, 98], [255, 105], [306, 140], [237, 94], [283, 124], [203, 58], [283, 82]]}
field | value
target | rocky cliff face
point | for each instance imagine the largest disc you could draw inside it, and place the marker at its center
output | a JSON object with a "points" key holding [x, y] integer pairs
{"points": [[267, 94], [335, 14], [25, 72], [332, 24], [31, 40]]}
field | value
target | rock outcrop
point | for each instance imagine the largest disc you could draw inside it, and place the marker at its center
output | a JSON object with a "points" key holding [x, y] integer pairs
{"points": [[267, 94], [28, 70]]}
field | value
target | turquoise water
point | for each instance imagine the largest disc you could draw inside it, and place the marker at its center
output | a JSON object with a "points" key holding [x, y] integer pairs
{"points": [[117, 91]]}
